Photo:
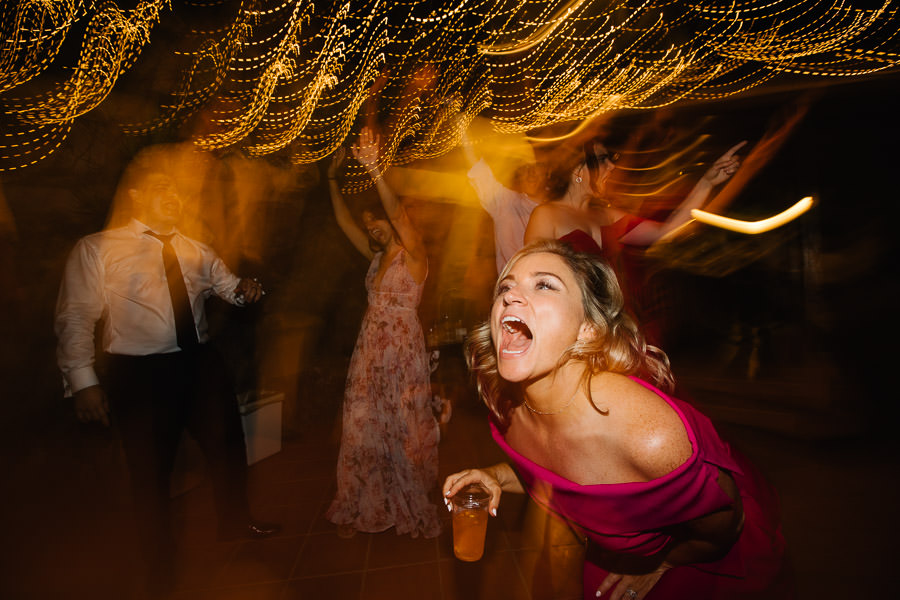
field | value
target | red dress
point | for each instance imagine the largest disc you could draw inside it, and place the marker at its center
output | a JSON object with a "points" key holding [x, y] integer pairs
{"points": [[633, 518], [646, 302]]}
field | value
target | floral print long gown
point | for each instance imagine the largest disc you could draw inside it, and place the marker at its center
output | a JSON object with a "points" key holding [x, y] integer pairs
{"points": [[388, 459]]}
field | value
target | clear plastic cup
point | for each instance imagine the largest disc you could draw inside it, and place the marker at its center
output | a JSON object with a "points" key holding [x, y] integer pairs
{"points": [[470, 517]]}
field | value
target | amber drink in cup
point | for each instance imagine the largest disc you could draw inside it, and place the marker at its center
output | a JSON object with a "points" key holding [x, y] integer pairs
{"points": [[470, 517]]}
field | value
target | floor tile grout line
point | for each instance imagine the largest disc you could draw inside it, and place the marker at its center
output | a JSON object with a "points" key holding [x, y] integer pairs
{"points": [[303, 545], [231, 555], [520, 571], [362, 585], [403, 565], [437, 551], [234, 586], [328, 574]]}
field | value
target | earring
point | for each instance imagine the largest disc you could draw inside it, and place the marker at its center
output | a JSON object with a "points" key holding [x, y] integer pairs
{"points": [[578, 179]]}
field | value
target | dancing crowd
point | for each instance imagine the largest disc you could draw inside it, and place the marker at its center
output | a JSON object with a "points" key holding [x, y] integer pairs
{"points": [[579, 398]]}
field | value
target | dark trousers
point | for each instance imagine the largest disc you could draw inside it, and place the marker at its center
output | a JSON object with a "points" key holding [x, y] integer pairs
{"points": [[153, 399]]}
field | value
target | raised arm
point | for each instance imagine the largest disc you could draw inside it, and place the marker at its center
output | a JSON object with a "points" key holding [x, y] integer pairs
{"points": [[465, 144], [367, 153], [370, 106], [342, 215], [649, 232]]}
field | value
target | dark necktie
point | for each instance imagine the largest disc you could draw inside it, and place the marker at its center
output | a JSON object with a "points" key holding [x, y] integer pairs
{"points": [[185, 330]]}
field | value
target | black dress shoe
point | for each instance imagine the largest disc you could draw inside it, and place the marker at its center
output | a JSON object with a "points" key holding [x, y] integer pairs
{"points": [[260, 529], [254, 530]]}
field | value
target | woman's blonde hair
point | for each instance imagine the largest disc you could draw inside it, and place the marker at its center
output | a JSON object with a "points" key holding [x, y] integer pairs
{"points": [[617, 345]]}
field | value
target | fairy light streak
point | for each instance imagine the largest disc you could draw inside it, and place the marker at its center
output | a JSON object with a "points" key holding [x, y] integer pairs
{"points": [[753, 227], [43, 145], [38, 31], [117, 37], [672, 156], [539, 36], [441, 16], [282, 67], [324, 72], [191, 99], [292, 75]]}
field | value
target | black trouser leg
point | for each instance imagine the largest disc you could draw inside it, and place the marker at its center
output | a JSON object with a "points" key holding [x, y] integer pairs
{"points": [[146, 400], [214, 421]]}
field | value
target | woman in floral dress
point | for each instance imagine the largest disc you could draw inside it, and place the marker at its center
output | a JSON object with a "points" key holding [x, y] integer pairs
{"points": [[388, 457]]}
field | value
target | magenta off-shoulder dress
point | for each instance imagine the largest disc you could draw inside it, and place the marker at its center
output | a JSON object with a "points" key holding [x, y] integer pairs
{"points": [[633, 518]]}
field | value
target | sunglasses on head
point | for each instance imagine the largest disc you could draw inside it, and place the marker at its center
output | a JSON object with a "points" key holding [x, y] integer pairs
{"points": [[607, 156], [594, 161]]}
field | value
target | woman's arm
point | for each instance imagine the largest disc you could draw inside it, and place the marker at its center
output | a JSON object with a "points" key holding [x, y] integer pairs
{"points": [[710, 537], [649, 232], [367, 154], [465, 144], [497, 479], [342, 215], [702, 540]]}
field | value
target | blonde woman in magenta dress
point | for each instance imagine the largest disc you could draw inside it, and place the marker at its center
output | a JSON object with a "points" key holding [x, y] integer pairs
{"points": [[667, 509], [389, 443]]}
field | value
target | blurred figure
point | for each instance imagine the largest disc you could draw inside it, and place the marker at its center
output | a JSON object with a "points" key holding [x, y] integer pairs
{"points": [[388, 456], [668, 509], [510, 209], [146, 283], [579, 212], [580, 215]]}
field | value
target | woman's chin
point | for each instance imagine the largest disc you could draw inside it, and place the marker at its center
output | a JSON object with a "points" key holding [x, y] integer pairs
{"points": [[512, 369]]}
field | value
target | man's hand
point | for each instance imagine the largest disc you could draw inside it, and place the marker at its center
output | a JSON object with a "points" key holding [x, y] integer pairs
{"points": [[91, 405], [248, 291]]}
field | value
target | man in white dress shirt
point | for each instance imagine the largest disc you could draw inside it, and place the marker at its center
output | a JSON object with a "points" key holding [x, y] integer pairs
{"points": [[146, 284]]}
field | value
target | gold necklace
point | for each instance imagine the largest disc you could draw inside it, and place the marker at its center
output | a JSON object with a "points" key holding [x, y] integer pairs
{"points": [[553, 412]]}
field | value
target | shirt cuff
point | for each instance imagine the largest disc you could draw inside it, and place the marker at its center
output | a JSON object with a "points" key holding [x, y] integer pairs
{"points": [[78, 379]]}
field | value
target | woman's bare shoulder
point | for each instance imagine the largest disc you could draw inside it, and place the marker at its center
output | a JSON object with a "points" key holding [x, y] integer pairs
{"points": [[647, 428], [547, 209]]}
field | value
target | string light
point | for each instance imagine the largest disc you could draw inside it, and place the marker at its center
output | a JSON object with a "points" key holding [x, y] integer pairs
{"points": [[295, 76], [753, 227]]}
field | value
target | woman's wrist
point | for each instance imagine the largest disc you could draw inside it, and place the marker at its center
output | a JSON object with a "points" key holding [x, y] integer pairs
{"points": [[706, 181], [505, 477]]}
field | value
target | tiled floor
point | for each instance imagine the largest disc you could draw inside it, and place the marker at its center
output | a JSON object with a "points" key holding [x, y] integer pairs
{"points": [[67, 524], [74, 525]]}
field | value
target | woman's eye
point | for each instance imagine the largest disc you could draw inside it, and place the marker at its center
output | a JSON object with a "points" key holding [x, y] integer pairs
{"points": [[502, 289], [544, 285]]}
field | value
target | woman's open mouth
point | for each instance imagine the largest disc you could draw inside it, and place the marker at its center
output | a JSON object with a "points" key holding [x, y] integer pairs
{"points": [[515, 336]]}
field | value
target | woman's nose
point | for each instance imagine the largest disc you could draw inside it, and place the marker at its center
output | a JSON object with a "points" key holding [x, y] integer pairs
{"points": [[512, 296]]}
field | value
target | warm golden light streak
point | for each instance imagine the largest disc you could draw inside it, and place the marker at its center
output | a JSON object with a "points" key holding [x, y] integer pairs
{"points": [[753, 227], [292, 76], [36, 33], [539, 36]]}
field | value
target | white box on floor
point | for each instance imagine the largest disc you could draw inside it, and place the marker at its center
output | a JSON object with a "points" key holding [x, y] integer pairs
{"points": [[261, 418]]}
